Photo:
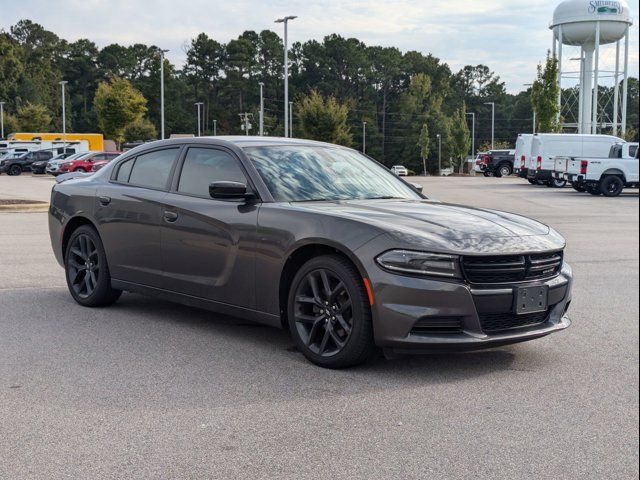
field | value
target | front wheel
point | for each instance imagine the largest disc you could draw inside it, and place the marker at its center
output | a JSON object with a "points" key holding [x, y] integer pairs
{"points": [[329, 313], [611, 186], [87, 271], [15, 170]]}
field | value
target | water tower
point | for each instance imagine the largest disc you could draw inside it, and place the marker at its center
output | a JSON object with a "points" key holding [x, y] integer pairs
{"points": [[590, 24]]}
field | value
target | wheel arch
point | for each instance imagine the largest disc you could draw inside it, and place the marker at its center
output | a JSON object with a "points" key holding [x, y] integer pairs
{"points": [[298, 256], [72, 225], [614, 171]]}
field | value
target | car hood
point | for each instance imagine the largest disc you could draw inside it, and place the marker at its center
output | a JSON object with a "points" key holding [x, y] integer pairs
{"points": [[430, 224]]}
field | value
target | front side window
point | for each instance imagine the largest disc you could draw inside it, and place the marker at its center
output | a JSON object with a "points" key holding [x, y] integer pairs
{"points": [[152, 169], [306, 173], [203, 166]]}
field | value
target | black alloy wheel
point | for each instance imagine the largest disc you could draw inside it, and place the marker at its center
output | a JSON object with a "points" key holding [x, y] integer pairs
{"points": [[611, 186], [87, 271], [15, 170], [329, 315]]}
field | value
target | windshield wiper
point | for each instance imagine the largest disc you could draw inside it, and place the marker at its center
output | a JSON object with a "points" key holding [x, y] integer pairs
{"points": [[384, 198]]}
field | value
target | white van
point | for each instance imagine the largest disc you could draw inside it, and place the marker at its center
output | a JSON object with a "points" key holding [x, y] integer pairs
{"points": [[546, 146], [523, 152]]}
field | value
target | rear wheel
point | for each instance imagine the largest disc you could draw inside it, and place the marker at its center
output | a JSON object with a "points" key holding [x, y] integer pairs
{"points": [[579, 187], [15, 170], [611, 186], [504, 170], [87, 271], [329, 313]]}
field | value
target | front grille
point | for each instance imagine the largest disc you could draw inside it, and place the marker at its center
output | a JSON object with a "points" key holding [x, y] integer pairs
{"points": [[512, 268], [499, 322], [437, 325]]}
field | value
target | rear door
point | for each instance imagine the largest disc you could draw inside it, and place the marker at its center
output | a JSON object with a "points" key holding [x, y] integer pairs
{"points": [[208, 244], [128, 211]]}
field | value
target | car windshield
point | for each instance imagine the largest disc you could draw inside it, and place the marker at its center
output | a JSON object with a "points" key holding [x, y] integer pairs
{"points": [[295, 173]]}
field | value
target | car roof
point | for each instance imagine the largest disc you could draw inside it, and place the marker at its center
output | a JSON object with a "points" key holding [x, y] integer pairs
{"points": [[240, 141]]}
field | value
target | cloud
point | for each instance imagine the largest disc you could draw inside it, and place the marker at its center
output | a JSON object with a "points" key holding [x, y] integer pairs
{"points": [[510, 36]]}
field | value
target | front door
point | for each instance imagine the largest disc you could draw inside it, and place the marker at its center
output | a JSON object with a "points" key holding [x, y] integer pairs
{"points": [[207, 244]]}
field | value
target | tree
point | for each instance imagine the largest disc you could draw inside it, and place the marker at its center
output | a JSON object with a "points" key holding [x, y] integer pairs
{"points": [[324, 119], [34, 118], [460, 137], [423, 143], [544, 96], [140, 130], [11, 124], [118, 104]]}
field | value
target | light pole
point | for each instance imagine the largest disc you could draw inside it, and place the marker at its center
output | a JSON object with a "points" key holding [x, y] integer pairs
{"points": [[291, 119], [439, 155], [198, 104], [473, 133], [364, 137], [162, 52], [64, 119], [2, 120], [261, 108], [215, 128], [493, 122], [534, 111], [285, 20]]}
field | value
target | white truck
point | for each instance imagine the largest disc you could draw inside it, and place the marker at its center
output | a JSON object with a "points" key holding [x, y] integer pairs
{"points": [[606, 176]]}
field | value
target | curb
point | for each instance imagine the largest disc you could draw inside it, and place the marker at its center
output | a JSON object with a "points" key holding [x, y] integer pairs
{"points": [[25, 208]]}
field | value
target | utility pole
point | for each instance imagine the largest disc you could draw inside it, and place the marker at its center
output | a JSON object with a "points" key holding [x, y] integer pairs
{"points": [[364, 137], [261, 108], [162, 52], [199, 105], [2, 120], [285, 20], [493, 123], [64, 118], [290, 119], [246, 125], [439, 155], [473, 133], [215, 128], [534, 111]]}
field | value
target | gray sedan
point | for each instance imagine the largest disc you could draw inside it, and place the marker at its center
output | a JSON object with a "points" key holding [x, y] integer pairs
{"points": [[311, 237]]}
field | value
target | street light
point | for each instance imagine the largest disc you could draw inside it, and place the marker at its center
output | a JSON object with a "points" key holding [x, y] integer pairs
{"points": [[439, 154], [162, 52], [291, 119], [64, 119], [364, 137], [261, 109], [2, 120], [493, 122], [534, 110], [199, 104], [473, 133], [215, 128], [285, 20]]}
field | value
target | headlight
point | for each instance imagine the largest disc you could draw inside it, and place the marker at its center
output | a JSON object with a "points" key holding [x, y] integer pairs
{"points": [[420, 263]]}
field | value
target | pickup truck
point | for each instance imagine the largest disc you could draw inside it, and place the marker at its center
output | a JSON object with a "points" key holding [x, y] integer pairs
{"points": [[498, 163], [601, 176]]}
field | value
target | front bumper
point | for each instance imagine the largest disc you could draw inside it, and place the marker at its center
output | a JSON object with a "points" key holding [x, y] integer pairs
{"points": [[402, 302]]}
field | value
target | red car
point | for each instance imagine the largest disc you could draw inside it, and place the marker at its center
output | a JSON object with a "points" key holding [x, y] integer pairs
{"points": [[86, 162]]}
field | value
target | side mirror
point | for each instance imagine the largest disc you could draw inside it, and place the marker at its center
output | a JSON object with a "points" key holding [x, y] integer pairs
{"points": [[417, 186], [228, 190]]}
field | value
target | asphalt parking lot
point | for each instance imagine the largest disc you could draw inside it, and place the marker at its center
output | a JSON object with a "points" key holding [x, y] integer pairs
{"points": [[149, 389]]}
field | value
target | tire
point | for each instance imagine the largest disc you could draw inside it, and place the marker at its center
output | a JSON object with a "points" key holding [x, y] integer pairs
{"points": [[611, 186], [87, 271], [80, 170], [332, 330], [555, 183], [15, 170], [487, 174], [504, 170], [579, 187]]}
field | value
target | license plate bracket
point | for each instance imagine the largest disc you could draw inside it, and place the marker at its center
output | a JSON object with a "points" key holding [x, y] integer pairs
{"points": [[532, 299]]}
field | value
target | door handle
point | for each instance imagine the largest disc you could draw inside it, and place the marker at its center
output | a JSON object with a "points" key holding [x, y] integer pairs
{"points": [[104, 201], [170, 216]]}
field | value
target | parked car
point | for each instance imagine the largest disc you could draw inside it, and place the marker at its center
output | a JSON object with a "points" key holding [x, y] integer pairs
{"points": [[479, 162], [40, 166], [312, 237], [607, 176], [498, 163], [522, 154], [85, 163], [97, 165], [22, 163], [54, 167], [546, 146], [400, 170]]}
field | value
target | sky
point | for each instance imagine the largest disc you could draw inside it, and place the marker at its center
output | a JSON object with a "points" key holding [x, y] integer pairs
{"points": [[510, 36]]}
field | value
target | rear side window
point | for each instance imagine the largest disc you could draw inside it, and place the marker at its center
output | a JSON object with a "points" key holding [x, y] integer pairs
{"points": [[202, 166], [152, 170], [633, 149], [124, 171]]}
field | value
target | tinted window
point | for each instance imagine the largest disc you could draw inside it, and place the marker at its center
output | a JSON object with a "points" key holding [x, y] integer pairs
{"points": [[633, 149], [152, 170], [203, 166], [124, 171]]}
